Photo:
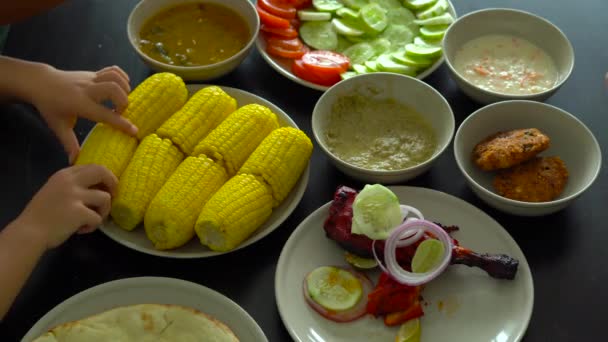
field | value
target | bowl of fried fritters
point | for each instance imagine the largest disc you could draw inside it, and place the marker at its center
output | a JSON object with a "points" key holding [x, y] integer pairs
{"points": [[526, 158]]}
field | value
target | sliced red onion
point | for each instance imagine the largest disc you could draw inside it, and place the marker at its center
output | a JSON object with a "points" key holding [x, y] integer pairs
{"points": [[415, 234], [392, 243]]}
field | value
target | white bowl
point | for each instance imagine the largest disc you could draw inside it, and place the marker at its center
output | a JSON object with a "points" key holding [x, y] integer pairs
{"points": [[145, 9], [517, 23], [408, 90], [571, 140]]}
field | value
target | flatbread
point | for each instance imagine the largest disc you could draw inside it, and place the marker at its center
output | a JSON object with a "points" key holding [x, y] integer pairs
{"points": [[143, 323]]}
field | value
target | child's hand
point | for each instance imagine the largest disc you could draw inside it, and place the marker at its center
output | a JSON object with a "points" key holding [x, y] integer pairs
{"points": [[62, 96], [70, 201]]}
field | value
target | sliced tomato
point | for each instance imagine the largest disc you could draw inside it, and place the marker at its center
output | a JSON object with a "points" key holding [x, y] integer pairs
{"points": [[324, 60], [295, 23], [286, 53], [278, 8], [289, 32], [293, 44], [321, 78], [271, 20], [299, 4]]}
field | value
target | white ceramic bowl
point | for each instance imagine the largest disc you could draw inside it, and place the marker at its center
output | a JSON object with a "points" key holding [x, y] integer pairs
{"points": [[571, 140], [408, 90], [148, 8], [517, 23]]}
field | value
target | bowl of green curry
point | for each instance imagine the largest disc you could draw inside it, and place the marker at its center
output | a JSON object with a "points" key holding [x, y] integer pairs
{"points": [[382, 127], [198, 40]]}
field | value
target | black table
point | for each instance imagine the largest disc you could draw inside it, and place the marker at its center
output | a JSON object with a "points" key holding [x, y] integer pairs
{"points": [[566, 251]]}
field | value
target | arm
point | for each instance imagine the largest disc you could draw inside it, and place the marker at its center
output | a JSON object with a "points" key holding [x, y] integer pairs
{"points": [[14, 11]]}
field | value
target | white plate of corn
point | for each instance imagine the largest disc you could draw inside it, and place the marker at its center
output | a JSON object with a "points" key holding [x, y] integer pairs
{"points": [[212, 170]]}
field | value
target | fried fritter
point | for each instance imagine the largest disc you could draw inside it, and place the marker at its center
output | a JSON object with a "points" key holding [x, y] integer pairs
{"points": [[541, 179], [505, 149]]}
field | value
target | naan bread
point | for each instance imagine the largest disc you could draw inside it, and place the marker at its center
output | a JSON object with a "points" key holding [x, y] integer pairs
{"points": [[143, 323]]}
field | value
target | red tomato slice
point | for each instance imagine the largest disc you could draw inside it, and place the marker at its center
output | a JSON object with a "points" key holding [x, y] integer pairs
{"points": [[292, 44], [272, 20], [289, 32], [295, 23], [285, 53], [326, 60], [321, 78], [278, 8], [299, 4]]}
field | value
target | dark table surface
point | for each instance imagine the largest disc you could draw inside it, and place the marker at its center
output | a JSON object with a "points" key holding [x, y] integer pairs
{"points": [[566, 251]]}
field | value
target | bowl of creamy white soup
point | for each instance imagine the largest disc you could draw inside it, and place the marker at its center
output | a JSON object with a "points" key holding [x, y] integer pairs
{"points": [[382, 127], [500, 54]]}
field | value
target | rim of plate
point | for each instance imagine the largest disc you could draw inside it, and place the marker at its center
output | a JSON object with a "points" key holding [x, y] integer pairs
{"points": [[300, 229], [42, 325], [284, 210], [275, 62]]}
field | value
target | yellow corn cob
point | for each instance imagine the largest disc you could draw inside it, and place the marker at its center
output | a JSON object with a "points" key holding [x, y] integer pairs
{"points": [[280, 160], [153, 163], [171, 216], [201, 114], [235, 212], [154, 100], [108, 147], [235, 138]]}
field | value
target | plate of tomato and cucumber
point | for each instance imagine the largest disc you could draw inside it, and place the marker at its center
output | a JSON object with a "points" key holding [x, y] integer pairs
{"points": [[318, 43]]}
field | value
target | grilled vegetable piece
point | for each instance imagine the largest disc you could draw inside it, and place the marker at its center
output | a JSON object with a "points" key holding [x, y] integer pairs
{"points": [[231, 143], [234, 213], [206, 109], [154, 100], [170, 218], [153, 163], [280, 160], [108, 147]]}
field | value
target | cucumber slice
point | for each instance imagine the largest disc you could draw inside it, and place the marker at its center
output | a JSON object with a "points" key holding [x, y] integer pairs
{"points": [[403, 16], [345, 29], [359, 262], [376, 210], [359, 53], [398, 35], [423, 42], [333, 288], [308, 15], [433, 32], [437, 9], [319, 35], [386, 63], [422, 51], [327, 5], [417, 63], [380, 46], [418, 5], [348, 14], [388, 5], [371, 65], [444, 19], [355, 4], [374, 17], [343, 44], [358, 39], [360, 68], [348, 74]]}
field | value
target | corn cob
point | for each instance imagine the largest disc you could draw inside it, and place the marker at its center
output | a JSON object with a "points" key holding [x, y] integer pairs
{"points": [[280, 160], [170, 218], [201, 114], [235, 138], [154, 100], [108, 147], [153, 163], [235, 212]]}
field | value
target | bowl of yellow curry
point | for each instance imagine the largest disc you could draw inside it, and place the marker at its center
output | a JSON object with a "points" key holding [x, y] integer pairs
{"points": [[198, 40]]}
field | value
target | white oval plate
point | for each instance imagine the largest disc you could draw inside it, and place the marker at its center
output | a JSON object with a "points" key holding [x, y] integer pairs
{"points": [[283, 65], [475, 307], [150, 290], [138, 240]]}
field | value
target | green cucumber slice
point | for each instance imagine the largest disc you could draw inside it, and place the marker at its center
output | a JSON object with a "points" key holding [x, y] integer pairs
{"points": [[334, 288], [358, 39], [422, 51], [376, 210], [359, 262], [348, 74], [418, 5], [355, 4], [327, 5], [374, 17], [371, 65], [417, 63], [403, 16], [437, 9], [345, 29], [386, 63], [388, 5], [423, 42], [360, 68], [348, 14], [343, 44], [308, 15], [380, 46], [398, 35], [433, 32], [444, 19], [359, 53], [319, 35]]}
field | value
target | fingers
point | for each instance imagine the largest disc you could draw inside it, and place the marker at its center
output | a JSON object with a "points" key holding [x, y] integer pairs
{"points": [[98, 200], [116, 69], [99, 113], [112, 74], [68, 139], [92, 174], [89, 218], [110, 91], [86, 229]]}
